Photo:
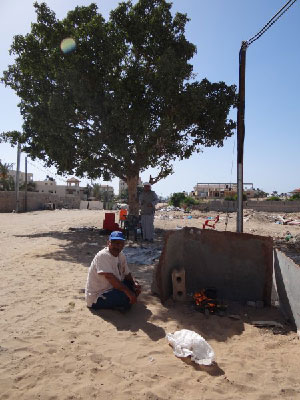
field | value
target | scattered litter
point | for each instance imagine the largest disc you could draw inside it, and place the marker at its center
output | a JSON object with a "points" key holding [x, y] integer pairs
{"points": [[142, 255], [187, 343], [94, 244]]}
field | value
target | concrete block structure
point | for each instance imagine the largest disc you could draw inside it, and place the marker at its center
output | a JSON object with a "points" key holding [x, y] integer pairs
{"points": [[238, 265], [287, 280], [178, 282]]}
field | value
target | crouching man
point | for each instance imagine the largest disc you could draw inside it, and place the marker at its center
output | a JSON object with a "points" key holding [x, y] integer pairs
{"points": [[109, 282]]}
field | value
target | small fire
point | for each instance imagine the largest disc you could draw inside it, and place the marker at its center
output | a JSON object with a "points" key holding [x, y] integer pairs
{"points": [[203, 301]]}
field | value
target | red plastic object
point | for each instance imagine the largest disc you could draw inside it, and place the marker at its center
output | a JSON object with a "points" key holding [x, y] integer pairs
{"points": [[206, 222], [109, 223]]}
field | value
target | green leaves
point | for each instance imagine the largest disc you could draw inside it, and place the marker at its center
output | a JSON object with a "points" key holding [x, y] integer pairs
{"points": [[123, 100]]}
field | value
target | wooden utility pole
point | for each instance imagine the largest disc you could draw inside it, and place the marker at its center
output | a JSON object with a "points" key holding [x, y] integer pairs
{"points": [[241, 136]]}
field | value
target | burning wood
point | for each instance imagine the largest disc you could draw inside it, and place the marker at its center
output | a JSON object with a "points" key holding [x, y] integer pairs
{"points": [[205, 302]]}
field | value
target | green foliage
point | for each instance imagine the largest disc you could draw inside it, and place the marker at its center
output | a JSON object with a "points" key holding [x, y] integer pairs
{"points": [[189, 201], [234, 197], [123, 100], [176, 199], [273, 198], [295, 196], [30, 186], [6, 180], [260, 194]]}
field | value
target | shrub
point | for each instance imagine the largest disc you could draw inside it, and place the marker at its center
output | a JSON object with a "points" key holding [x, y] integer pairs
{"points": [[176, 199], [273, 198], [189, 201], [295, 196], [234, 197]]}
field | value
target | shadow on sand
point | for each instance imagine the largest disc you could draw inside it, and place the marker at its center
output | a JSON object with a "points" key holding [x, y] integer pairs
{"points": [[133, 320]]}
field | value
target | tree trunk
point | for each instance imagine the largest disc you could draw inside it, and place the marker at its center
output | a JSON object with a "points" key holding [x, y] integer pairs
{"points": [[132, 195]]}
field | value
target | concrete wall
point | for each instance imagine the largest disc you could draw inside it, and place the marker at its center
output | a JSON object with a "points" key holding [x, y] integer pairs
{"points": [[35, 201], [287, 278], [91, 205], [267, 206], [238, 265]]}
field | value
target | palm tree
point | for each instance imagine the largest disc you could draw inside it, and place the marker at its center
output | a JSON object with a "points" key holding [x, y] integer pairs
{"points": [[6, 180]]}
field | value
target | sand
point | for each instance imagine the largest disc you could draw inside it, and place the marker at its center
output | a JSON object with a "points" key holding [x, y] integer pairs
{"points": [[53, 347]]}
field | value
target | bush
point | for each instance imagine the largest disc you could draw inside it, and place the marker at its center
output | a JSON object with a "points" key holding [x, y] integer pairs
{"points": [[273, 198], [181, 200], [176, 199], [189, 201], [295, 196], [234, 197]]}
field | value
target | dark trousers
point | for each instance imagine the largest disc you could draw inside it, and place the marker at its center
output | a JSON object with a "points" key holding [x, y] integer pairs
{"points": [[114, 298]]}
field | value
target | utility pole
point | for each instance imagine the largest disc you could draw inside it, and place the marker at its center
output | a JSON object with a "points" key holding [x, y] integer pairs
{"points": [[241, 136], [241, 110], [18, 178], [25, 184]]}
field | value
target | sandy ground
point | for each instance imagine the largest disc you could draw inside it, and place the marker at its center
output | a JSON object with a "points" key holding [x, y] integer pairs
{"points": [[53, 347]]}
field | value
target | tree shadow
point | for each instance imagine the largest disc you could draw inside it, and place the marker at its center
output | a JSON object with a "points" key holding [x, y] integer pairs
{"points": [[133, 320], [77, 244]]}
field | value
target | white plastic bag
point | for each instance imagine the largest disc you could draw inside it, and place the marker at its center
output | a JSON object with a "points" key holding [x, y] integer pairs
{"points": [[188, 343]]}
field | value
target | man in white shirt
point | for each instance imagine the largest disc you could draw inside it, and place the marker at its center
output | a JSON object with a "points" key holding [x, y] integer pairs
{"points": [[109, 282]]}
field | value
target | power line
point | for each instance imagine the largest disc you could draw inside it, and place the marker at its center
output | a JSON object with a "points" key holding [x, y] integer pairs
{"points": [[271, 22]]}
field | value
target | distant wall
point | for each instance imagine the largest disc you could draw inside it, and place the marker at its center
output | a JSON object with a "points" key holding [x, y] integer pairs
{"points": [[267, 206], [35, 201], [238, 265], [287, 278], [91, 205]]}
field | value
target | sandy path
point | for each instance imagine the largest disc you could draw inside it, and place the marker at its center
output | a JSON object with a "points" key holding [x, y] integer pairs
{"points": [[53, 347]]}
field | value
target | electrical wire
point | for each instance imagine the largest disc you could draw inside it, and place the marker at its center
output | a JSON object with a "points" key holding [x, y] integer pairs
{"points": [[271, 22]]}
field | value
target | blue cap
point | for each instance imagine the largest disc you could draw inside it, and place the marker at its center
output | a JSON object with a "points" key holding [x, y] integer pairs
{"points": [[116, 235]]}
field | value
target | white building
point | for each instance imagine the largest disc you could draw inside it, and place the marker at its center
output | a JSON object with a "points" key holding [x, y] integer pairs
{"points": [[220, 190], [71, 189]]}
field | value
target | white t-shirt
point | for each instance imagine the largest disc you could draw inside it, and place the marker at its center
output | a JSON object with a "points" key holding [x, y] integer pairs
{"points": [[96, 283]]}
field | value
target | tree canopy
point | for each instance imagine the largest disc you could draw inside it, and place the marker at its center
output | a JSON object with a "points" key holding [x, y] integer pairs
{"points": [[125, 99]]}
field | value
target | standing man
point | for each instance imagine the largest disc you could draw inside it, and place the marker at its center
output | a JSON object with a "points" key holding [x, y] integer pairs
{"points": [[148, 200], [109, 282]]}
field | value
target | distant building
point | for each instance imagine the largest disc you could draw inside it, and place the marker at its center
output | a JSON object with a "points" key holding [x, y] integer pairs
{"points": [[71, 189], [123, 185], [107, 189], [22, 176], [220, 190], [295, 191]]}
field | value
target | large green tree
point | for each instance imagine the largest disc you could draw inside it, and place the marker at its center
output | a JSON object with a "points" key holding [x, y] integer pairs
{"points": [[125, 99]]}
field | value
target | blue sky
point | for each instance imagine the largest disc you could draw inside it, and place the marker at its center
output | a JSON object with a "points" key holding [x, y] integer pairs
{"points": [[217, 28]]}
